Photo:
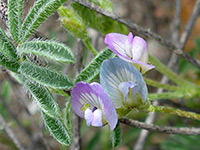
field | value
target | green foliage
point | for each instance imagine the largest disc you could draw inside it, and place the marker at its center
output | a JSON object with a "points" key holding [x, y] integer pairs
{"points": [[72, 22], [93, 141], [57, 129], [43, 98], [6, 47], [9, 64], [105, 4], [45, 76], [40, 11], [116, 135], [49, 49], [92, 70], [185, 67], [181, 142], [6, 91], [14, 17], [99, 22], [67, 118]]}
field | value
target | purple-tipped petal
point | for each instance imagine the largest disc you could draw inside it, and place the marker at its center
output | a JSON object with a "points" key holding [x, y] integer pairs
{"points": [[89, 116], [97, 121], [116, 43], [124, 87], [94, 98], [131, 49]]}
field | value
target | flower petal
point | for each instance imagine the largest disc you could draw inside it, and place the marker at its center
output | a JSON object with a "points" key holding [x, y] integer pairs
{"points": [[115, 71], [94, 95], [97, 121], [108, 108], [89, 116], [125, 86], [116, 43], [83, 94], [139, 49]]}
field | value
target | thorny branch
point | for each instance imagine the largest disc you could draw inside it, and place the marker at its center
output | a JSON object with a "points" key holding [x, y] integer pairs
{"points": [[140, 30], [161, 129]]}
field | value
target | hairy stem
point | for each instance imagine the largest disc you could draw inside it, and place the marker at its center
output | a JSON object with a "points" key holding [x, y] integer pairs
{"points": [[174, 111], [160, 85], [89, 46]]}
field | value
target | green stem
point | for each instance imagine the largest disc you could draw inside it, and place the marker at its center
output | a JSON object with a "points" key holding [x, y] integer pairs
{"points": [[89, 46], [166, 95], [167, 72], [160, 85], [174, 111]]}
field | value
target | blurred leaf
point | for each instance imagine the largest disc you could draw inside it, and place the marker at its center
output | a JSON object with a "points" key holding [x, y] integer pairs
{"points": [[49, 49], [6, 91], [181, 142], [92, 70], [14, 17], [93, 142], [18, 77], [105, 4], [43, 98], [39, 12], [68, 118], [184, 66], [6, 47], [116, 136], [9, 64], [57, 129], [98, 22], [45, 76]]}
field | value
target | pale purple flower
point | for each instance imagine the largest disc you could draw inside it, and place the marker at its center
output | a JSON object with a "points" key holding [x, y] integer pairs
{"points": [[89, 101], [131, 49], [123, 83]]}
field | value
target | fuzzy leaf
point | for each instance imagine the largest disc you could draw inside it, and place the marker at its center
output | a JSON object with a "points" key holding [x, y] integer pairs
{"points": [[98, 22], [45, 76], [14, 17], [116, 136], [9, 64], [92, 70], [57, 129], [43, 98], [68, 117], [49, 49], [6, 47], [39, 12]]}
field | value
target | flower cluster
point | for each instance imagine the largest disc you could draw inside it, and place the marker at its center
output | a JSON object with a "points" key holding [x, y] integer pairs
{"points": [[121, 83]]}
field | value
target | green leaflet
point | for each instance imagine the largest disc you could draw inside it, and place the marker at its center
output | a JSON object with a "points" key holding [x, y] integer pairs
{"points": [[116, 136], [39, 12], [98, 22], [43, 98], [68, 117], [9, 64], [92, 70], [57, 129], [45, 76], [49, 49], [6, 47], [14, 17]]}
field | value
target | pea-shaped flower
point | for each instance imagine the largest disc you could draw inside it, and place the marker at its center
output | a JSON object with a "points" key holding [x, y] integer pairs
{"points": [[131, 49], [89, 101], [123, 83]]}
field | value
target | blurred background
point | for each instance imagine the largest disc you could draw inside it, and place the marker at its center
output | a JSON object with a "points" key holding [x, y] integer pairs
{"points": [[24, 118]]}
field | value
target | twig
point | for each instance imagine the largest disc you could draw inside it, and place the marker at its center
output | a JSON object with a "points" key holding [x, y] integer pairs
{"points": [[151, 116], [190, 24], [76, 141], [140, 30], [11, 134], [161, 129]]}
